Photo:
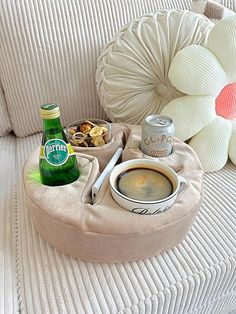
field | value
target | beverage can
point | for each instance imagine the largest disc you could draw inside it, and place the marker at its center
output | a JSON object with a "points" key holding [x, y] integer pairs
{"points": [[157, 136]]}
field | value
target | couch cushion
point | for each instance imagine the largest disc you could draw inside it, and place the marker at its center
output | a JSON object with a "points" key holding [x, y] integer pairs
{"points": [[9, 236], [49, 54], [197, 276], [5, 124], [230, 4]]}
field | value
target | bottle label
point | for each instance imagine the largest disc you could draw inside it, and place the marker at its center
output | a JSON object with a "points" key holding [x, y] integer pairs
{"points": [[56, 152]]}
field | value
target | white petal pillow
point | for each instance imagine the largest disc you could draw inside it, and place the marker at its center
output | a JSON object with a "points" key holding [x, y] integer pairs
{"points": [[196, 71], [232, 143], [183, 111], [211, 144], [132, 72], [224, 35]]}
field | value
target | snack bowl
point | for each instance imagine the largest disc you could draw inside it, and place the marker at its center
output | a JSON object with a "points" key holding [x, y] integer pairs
{"points": [[152, 187], [89, 132]]}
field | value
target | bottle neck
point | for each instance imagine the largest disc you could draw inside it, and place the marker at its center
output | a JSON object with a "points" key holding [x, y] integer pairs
{"points": [[52, 125]]}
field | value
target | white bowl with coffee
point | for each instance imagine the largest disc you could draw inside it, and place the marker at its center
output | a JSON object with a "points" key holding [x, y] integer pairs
{"points": [[145, 186]]}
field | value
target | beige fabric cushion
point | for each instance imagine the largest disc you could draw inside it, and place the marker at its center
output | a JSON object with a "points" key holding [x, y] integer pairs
{"points": [[104, 231], [185, 278], [49, 51], [104, 153], [132, 74]]}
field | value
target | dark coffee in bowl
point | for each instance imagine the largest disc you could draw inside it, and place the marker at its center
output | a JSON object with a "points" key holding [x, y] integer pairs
{"points": [[144, 184]]}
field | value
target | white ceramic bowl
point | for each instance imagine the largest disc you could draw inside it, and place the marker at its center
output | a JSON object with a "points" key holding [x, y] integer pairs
{"points": [[146, 207]]}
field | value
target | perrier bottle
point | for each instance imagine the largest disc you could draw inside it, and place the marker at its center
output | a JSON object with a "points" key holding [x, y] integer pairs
{"points": [[57, 163]]}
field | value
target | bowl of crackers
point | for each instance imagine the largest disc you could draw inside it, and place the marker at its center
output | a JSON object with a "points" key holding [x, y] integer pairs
{"points": [[89, 132]]}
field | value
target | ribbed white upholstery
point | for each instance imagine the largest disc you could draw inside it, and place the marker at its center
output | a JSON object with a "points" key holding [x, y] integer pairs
{"points": [[5, 124], [198, 276], [8, 219], [45, 58], [49, 51], [231, 4]]}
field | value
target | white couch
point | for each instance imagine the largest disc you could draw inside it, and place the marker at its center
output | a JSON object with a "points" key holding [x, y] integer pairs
{"points": [[48, 53]]}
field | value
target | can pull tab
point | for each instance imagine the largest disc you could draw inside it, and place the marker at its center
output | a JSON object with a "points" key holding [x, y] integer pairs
{"points": [[160, 122]]}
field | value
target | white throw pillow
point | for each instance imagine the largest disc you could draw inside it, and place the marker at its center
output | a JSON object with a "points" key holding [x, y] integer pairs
{"points": [[208, 75], [132, 72]]}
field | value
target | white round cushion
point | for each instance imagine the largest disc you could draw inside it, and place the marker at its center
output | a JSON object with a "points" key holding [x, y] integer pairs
{"points": [[132, 72]]}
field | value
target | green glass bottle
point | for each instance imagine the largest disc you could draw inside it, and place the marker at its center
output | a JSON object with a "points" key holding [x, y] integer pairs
{"points": [[57, 163]]}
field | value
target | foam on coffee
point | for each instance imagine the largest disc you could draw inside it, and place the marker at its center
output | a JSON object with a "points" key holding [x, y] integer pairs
{"points": [[144, 184]]}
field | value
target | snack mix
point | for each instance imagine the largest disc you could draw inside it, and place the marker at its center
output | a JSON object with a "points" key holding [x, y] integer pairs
{"points": [[88, 134]]}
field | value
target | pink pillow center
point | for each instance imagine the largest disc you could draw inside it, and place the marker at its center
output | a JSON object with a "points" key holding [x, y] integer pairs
{"points": [[226, 102]]}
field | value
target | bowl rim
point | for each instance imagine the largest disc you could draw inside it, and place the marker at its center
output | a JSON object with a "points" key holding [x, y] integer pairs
{"points": [[89, 119], [146, 161]]}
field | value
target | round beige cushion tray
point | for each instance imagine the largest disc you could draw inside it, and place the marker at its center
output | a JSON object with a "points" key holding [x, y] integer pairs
{"points": [[65, 217]]}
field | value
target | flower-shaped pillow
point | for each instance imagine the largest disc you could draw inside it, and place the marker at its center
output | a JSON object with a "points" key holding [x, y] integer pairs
{"points": [[132, 73], [207, 74]]}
